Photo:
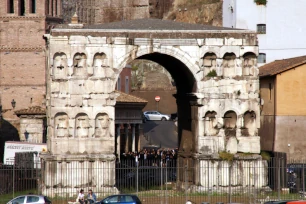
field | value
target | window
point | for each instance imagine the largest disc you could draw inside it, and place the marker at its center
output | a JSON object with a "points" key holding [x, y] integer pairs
{"points": [[119, 84], [270, 91], [32, 6], [32, 199], [261, 28], [21, 6], [19, 200], [127, 84], [47, 7], [261, 58], [10, 6]]}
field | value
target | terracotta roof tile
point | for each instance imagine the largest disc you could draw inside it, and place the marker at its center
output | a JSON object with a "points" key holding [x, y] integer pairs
{"points": [[34, 110], [279, 66], [127, 98]]}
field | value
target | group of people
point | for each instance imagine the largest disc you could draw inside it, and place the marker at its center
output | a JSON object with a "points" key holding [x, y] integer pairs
{"points": [[152, 157], [91, 198]]}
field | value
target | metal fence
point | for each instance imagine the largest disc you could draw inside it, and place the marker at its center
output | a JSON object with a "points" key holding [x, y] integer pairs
{"points": [[173, 181]]}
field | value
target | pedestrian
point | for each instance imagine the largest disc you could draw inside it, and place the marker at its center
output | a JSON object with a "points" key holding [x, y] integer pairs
{"points": [[91, 197]]}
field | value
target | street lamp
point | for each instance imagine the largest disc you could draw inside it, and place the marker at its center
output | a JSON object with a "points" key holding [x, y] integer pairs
{"points": [[26, 135], [13, 103]]}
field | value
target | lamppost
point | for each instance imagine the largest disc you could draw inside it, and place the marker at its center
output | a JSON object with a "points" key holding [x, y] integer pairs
{"points": [[13, 103], [26, 135]]}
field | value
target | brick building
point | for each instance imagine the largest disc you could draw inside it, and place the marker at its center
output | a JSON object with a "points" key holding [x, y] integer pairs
{"points": [[22, 56]]}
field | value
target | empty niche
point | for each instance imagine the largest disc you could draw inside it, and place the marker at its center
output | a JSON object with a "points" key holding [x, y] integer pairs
{"points": [[249, 61], [61, 125], [102, 124], [209, 63], [100, 64], [212, 127], [228, 64], [230, 123], [60, 65], [79, 64], [82, 125], [249, 124]]}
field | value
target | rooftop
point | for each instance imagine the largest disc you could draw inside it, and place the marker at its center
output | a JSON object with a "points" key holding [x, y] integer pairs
{"points": [[127, 98], [279, 66], [34, 110], [149, 24], [148, 28]]}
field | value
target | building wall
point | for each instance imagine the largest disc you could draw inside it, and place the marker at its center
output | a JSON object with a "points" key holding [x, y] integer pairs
{"points": [[291, 92], [23, 58], [267, 125], [105, 11], [125, 74], [281, 18]]}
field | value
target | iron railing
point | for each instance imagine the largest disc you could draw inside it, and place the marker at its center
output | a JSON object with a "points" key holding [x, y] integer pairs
{"points": [[161, 181]]}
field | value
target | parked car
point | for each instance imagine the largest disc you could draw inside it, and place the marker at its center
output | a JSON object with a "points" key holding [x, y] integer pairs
{"points": [[174, 116], [155, 115], [30, 199], [127, 199]]}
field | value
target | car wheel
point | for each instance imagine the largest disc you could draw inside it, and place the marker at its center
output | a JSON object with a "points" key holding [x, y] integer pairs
{"points": [[163, 119]]}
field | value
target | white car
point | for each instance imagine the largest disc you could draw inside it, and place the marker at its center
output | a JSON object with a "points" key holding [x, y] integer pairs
{"points": [[155, 115], [30, 199]]}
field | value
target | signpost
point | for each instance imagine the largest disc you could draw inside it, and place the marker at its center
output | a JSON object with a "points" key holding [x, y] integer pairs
{"points": [[157, 99]]}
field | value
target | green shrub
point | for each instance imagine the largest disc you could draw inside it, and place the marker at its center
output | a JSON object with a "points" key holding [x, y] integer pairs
{"points": [[212, 73]]}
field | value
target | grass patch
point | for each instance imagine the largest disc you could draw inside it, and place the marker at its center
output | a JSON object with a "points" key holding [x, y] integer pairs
{"points": [[226, 156]]}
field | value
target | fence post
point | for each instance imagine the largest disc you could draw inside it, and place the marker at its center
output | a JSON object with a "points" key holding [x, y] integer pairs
{"points": [[229, 183], [13, 180], [278, 179]]}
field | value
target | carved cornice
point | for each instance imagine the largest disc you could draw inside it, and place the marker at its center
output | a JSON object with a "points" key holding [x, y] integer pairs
{"points": [[21, 49], [22, 18]]}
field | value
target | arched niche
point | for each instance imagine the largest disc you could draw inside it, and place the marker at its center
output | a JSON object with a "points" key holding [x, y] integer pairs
{"points": [[228, 64], [82, 125], [79, 64], [249, 61], [249, 124], [230, 123], [212, 127], [61, 125], [59, 66], [102, 124], [209, 62], [100, 63]]}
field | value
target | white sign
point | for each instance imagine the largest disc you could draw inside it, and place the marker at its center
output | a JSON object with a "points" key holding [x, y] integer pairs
{"points": [[10, 148]]}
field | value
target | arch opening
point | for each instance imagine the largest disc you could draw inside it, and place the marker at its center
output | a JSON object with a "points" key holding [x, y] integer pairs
{"points": [[185, 83]]}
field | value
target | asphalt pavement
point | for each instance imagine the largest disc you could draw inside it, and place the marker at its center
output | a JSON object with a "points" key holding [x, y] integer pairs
{"points": [[161, 133]]}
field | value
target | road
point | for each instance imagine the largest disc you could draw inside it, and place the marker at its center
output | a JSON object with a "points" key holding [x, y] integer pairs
{"points": [[161, 133]]}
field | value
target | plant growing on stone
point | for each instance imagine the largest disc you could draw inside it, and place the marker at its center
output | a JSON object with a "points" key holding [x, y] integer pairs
{"points": [[261, 2], [226, 156], [212, 73]]}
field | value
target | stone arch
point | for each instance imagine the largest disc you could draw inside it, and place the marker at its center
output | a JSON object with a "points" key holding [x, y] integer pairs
{"points": [[100, 63], [79, 64], [249, 62], [209, 62], [228, 64], [184, 70], [102, 125], [249, 124], [59, 69], [211, 124], [173, 52], [230, 123], [82, 125], [61, 125]]}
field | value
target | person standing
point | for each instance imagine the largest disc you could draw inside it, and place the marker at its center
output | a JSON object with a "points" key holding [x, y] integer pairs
{"points": [[91, 197]]}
